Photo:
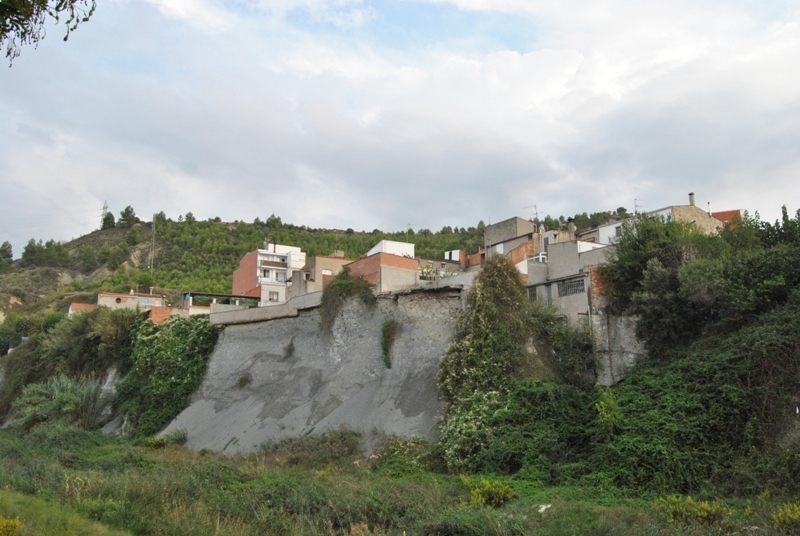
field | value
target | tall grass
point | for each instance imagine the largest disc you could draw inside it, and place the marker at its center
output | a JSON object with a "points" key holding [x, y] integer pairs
{"points": [[315, 485], [59, 398], [39, 517]]}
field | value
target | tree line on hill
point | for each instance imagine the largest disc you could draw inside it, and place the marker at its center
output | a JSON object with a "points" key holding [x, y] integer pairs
{"points": [[191, 254]]}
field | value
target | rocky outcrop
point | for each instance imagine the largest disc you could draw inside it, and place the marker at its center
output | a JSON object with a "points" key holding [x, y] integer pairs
{"points": [[287, 377]]}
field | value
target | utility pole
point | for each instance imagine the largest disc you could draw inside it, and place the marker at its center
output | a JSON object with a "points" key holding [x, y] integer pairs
{"points": [[153, 245]]}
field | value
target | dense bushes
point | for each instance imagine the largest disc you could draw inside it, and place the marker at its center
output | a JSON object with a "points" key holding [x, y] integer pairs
{"points": [[84, 346], [490, 337], [59, 398], [168, 363], [51, 375], [497, 420], [709, 412], [712, 417]]}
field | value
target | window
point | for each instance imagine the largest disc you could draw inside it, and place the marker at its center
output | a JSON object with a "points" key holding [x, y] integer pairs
{"points": [[567, 288], [273, 296], [532, 293], [281, 276], [618, 230], [266, 274]]}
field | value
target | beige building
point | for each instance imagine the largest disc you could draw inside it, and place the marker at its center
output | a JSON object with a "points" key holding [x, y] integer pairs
{"points": [[315, 275], [131, 300], [605, 234]]}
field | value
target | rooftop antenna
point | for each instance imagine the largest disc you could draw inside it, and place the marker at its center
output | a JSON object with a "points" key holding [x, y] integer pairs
{"points": [[636, 206], [535, 214], [709, 208]]}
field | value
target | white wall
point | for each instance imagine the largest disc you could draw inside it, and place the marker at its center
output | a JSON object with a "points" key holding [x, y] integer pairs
{"points": [[401, 249]]}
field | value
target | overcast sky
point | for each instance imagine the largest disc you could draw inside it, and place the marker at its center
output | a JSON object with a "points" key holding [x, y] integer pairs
{"points": [[384, 113]]}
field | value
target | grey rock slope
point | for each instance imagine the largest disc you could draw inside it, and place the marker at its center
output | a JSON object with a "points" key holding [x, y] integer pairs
{"points": [[287, 377]]}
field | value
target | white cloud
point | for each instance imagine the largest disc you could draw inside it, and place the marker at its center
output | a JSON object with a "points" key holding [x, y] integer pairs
{"points": [[200, 13], [615, 101]]}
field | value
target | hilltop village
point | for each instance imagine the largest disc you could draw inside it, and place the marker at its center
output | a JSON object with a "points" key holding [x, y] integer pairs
{"points": [[558, 267]]}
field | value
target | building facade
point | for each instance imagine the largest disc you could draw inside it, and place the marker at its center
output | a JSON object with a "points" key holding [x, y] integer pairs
{"points": [[267, 273]]}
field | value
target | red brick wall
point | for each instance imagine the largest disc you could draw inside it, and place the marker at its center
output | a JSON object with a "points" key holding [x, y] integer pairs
{"points": [[520, 253], [159, 314], [245, 278], [474, 260]]}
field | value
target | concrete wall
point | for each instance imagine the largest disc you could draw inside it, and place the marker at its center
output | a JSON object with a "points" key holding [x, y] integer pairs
{"points": [[261, 314], [278, 289], [393, 278], [129, 301], [618, 348], [303, 379], [507, 230]]}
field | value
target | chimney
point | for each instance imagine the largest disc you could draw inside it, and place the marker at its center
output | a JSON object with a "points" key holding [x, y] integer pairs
{"points": [[691, 199]]}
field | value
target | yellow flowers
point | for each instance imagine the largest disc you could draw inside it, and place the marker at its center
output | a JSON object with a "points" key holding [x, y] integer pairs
{"points": [[9, 526], [787, 517], [487, 493]]}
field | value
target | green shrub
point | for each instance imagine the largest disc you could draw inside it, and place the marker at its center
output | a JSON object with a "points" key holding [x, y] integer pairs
{"points": [[315, 450], [398, 456], [787, 518], [338, 291], [389, 330], [168, 364], [176, 437], [59, 398], [487, 492], [488, 344], [244, 380], [676, 508], [87, 345]]}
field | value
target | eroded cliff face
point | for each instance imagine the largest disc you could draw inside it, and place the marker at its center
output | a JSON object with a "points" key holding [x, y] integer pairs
{"points": [[287, 377]]}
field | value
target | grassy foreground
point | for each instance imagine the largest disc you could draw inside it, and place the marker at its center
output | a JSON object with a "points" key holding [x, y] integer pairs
{"points": [[86, 483]]}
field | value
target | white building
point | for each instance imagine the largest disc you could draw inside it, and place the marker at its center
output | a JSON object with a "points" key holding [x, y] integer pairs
{"points": [[267, 273], [401, 249]]}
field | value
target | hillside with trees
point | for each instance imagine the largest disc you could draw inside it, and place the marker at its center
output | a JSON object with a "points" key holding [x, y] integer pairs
{"points": [[699, 439], [184, 254]]}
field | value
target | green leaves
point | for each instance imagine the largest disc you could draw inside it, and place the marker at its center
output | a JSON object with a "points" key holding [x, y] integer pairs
{"points": [[168, 363]]}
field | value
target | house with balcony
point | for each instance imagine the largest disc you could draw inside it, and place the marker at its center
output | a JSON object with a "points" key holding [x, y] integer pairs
{"points": [[267, 273]]}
